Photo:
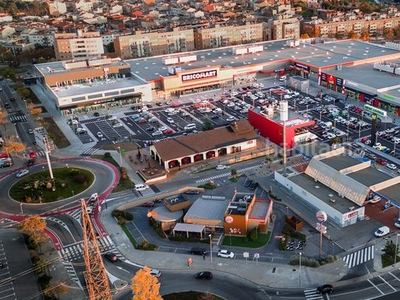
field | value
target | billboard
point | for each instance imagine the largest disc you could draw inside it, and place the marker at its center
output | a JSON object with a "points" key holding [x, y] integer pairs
{"points": [[199, 75]]}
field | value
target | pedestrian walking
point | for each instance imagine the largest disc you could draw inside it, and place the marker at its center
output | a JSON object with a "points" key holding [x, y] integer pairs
{"points": [[204, 257]]}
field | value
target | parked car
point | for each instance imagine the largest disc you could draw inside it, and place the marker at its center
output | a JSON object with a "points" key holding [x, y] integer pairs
{"points": [[21, 173], [156, 133], [96, 114], [382, 231], [391, 166], [170, 120], [99, 135], [204, 275], [155, 272], [192, 192], [248, 183], [253, 186], [225, 253], [111, 257], [324, 289], [148, 204], [150, 129], [118, 125], [198, 251], [168, 131]]}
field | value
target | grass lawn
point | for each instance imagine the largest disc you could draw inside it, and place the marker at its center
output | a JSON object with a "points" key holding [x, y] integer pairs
{"points": [[122, 184], [188, 296], [69, 181], [263, 239], [55, 133]]}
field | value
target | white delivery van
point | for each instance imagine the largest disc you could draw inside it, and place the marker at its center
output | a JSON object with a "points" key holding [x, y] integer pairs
{"points": [[382, 231]]}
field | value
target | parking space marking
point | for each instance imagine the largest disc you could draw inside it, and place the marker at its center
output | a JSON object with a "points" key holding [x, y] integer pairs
{"points": [[387, 283], [375, 286]]}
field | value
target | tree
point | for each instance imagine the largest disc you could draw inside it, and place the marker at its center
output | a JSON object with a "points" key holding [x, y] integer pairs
{"points": [[34, 227], [55, 289], [234, 173], [145, 286], [12, 145], [365, 35], [3, 120], [33, 110], [206, 296], [391, 249]]}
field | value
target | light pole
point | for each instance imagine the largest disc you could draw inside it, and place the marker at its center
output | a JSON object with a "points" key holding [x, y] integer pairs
{"points": [[22, 210], [120, 156], [300, 254], [210, 236], [396, 249]]}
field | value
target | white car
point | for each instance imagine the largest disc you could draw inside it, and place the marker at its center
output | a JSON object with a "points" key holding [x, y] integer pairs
{"points": [[230, 119], [382, 231], [155, 272], [221, 167], [377, 145], [163, 128], [391, 166], [118, 125], [170, 120], [22, 173], [374, 200], [100, 135], [140, 187], [157, 133], [225, 254]]}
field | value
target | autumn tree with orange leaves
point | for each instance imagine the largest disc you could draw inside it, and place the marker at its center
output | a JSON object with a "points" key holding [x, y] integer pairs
{"points": [[145, 286], [34, 227], [34, 110], [12, 145], [3, 120]]}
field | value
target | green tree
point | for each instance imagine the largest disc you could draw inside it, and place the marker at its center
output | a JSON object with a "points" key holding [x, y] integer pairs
{"points": [[208, 125]]}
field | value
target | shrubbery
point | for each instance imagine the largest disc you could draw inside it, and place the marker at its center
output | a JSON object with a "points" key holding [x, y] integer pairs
{"points": [[311, 262]]}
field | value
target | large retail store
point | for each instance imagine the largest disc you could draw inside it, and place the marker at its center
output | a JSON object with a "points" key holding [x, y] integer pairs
{"points": [[360, 70]]}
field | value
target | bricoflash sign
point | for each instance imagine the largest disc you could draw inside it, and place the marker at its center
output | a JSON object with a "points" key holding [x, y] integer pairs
{"points": [[199, 75]]}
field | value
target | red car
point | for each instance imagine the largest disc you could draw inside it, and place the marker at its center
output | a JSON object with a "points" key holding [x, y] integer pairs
{"points": [[4, 155], [168, 131], [32, 154], [175, 104], [381, 161], [142, 121]]}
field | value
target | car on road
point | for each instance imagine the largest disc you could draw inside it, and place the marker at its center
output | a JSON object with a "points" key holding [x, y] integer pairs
{"points": [[30, 162], [96, 114], [32, 154], [221, 167], [111, 257], [148, 204], [391, 166], [21, 173], [141, 187], [198, 251], [225, 253], [192, 192], [325, 289], [381, 161], [204, 275], [99, 135], [155, 272], [230, 119], [382, 231], [142, 121]]}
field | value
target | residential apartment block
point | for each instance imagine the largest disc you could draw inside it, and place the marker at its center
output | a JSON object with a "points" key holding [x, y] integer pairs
{"points": [[221, 35], [79, 45], [143, 44], [340, 26]]}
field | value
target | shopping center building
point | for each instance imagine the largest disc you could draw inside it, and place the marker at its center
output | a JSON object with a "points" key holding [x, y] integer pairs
{"points": [[365, 71]]}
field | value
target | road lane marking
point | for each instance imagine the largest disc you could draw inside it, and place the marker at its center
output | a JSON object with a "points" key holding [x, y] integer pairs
{"points": [[376, 287]]}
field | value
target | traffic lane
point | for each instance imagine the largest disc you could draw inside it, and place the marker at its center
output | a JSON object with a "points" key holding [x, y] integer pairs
{"points": [[104, 178], [74, 227], [63, 234]]}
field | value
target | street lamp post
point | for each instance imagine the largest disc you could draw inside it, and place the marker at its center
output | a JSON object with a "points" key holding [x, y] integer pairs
{"points": [[22, 210], [120, 156], [210, 236], [396, 250], [300, 254]]}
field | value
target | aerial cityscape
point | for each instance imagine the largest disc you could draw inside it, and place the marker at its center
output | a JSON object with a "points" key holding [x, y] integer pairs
{"points": [[199, 150]]}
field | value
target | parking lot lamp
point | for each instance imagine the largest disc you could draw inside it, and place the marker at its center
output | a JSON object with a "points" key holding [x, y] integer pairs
{"points": [[210, 236], [300, 254], [22, 210]]}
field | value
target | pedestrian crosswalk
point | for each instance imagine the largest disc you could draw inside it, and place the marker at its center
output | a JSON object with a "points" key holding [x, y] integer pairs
{"points": [[74, 252], [358, 257], [312, 294], [89, 151], [72, 273], [18, 118], [225, 174], [76, 214]]}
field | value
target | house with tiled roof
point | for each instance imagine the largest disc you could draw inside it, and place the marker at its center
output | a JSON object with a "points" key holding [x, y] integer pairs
{"points": [[194, 148]]}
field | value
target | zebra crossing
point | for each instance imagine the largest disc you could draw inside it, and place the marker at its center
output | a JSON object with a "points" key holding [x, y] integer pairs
{"points": [[313, 295], [74, 252], [76, 214], [72, 273], [18, 118], [358, 257], [89, 151], [225, 174]]}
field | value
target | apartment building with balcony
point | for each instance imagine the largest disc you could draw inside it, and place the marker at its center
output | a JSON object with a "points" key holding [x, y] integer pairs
{"points": [[160, 42], [79, 45], [223, 34]]}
